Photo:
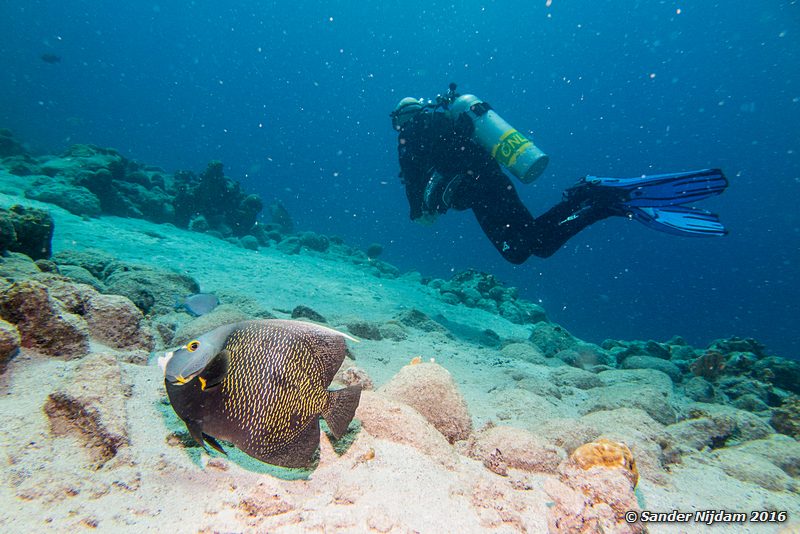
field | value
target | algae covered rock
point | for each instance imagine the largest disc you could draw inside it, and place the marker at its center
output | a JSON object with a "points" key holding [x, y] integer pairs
{"points": [[16, 266], [786, 418], [576, 378], [9, 341], [26, 230], [525, 352], [551, 338], [650, 399], [75, 199], [650, 362], [117, 322], [429, 388], [220, 200], [43, 322], [152, 290], [9, 145], [365, 330], [96, 262], [716, 426], [781, 450], [783, 373], [699, 389]]}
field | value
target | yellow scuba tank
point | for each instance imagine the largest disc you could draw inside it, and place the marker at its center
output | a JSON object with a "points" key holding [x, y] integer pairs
{"points": [[506, 145]]}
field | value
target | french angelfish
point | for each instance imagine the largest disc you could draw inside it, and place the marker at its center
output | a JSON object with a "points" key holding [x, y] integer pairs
{"points": [[262, 385]]}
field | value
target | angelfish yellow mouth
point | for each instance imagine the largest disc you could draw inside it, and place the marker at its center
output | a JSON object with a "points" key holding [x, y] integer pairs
{"points": [[180, 380]]}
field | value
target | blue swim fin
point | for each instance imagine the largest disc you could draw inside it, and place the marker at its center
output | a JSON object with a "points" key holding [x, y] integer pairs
{"points": [[659, 190], [679, 220]]}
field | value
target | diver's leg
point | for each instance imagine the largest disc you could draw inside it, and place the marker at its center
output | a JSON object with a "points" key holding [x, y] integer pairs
{"points": [[511, 228], [500, 213]]}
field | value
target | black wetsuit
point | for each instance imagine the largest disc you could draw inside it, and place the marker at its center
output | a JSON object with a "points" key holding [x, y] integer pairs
{"points": [[431, 141]]}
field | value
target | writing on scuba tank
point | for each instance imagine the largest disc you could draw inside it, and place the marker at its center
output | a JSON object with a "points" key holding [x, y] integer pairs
{"points": [[511, 145]]}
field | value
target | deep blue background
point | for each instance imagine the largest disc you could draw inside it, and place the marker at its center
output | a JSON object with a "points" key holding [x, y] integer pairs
{"points": [[294, 100]]}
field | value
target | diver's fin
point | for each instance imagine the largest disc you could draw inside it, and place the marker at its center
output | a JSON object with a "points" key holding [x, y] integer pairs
{"points": [[660, 190], [679, 220], [341, 409]]}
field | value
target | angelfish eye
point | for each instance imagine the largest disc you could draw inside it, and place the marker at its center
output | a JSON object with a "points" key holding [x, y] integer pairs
{"points": [[193, 346]]}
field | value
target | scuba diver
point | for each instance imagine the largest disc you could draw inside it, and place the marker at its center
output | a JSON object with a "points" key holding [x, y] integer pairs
{"points": [[453, 153]]}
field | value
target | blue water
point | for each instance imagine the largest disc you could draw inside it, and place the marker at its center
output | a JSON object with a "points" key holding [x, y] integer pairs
{"points": [[293, 97]]}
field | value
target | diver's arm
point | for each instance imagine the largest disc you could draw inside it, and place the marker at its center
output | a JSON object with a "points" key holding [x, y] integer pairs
{"points": [[414, 167]]}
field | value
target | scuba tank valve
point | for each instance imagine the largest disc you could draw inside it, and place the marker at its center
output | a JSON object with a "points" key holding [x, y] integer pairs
{"points": [[506, 145]]}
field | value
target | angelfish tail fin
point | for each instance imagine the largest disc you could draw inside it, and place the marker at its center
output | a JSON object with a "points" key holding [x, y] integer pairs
{"points": [[341, 409]]}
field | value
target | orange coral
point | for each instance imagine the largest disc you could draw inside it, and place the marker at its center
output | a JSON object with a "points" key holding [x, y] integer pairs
{"points": [[609, 454], [415, 360]]}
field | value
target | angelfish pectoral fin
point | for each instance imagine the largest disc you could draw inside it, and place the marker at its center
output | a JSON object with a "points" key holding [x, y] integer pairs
{"points": [[196, 431], [214, 444]]}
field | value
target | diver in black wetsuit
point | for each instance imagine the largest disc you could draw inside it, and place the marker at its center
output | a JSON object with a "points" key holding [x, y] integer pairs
{"points": [[442, 168]]}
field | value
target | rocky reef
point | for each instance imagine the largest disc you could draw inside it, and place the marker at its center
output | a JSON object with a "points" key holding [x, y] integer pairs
{"points": [[88, 180]]}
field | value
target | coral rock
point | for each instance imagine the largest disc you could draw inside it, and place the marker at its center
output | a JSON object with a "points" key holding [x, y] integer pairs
{"points": [[304, 312], [780, 450], [75, 199], [17, 266], [595, 491], [649, 399], [152, 290], [710, 365], [591, 501], [92, 408], [429, 388], [26, 230], [387, 419], [608, 454], [574, 377], [650, 362], [786, 418], [752, 468], [9, 341], [117, 322], [365, 330], [354, 376], [43, 322], [517, 448]]}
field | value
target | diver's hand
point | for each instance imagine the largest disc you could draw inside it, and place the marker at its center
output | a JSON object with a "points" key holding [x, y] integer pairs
{"points": [[427, 218]]}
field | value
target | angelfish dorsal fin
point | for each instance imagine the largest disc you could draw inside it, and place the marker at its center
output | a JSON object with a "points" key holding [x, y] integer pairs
{"points": [[216, 371], [328, 344]]}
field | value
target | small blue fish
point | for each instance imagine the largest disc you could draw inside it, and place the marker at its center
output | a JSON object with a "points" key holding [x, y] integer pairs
{"points": [[198, 304]]}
